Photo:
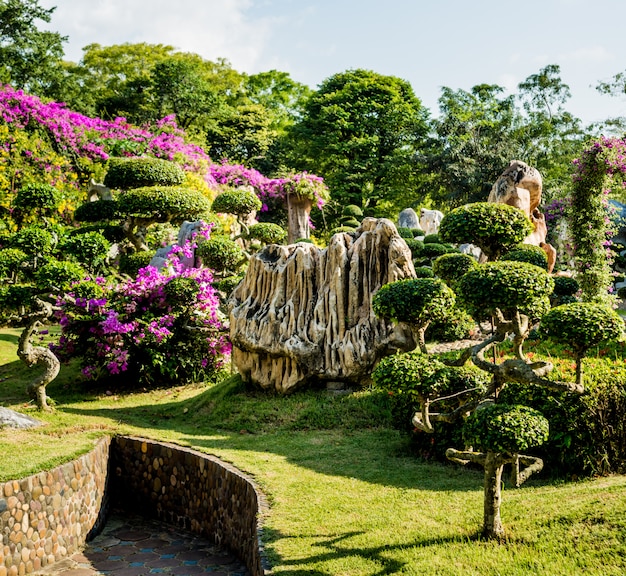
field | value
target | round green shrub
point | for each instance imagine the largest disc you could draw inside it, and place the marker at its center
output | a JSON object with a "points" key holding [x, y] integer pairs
{"points": [[432, 239], [565, 286], [112, 233], [90, 248], [457, 325], [239, 202], [505, 428], [506, 286], [342, 230], [58, 276], [37, 197], [417, 232], [405, 233], [527, 253], [413, 300], [166, 204], [415, 246], [450, 267], [132, 262], [97, 211], [33, 240], [11, 261], [490, 226], [181, 292], [434, 250], [87, 290], [351, 222], [267, 233], [127, 173], [582, 325], [221, 253], [424, 272], [352, 210], [228, 284]]}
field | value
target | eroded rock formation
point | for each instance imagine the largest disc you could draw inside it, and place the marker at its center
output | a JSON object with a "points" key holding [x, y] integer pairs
{"points": [[302, 314]]}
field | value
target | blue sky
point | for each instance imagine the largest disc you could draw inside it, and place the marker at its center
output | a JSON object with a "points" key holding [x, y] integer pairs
{"points": [[430, 43]]}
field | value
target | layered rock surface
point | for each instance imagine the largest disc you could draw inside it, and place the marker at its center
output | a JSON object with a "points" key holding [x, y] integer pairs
{"points": [[303, 314]]}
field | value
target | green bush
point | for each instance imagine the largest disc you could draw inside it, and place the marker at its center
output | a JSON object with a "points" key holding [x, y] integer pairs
{"points": [[127, 173], [181, 293], [450, 267], [457, 325], [43, 197], [424, 272], [582, 325], [341, 230], [352, 210], [490, 226], [89, 249], [228, 284], [221, 253], [434, 250], [415, 246], [131, 263], [112, 233], [349, 221], [507, 286], [58, 276], [405, 233], [527, 253], [267, 233], [169, 204], [15, 297], [98, 211], [432, 239], [505, 428], [87, 290], [11, 261], [33, 240], [417, 232], [565, 286], [239, 202]]}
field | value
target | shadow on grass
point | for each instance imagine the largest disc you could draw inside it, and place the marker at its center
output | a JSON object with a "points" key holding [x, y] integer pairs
{"points": [[337, 548], [11, 338]]}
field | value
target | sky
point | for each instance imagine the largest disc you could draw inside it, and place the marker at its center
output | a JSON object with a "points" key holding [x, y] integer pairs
{"points": [[429, 43]]}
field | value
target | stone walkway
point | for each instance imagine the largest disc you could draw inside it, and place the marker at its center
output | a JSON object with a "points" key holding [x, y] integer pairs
{"points": [[134, 546]]}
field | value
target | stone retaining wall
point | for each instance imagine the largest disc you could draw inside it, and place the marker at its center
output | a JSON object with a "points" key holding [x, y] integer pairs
{"points": [[191, 490], [50, 515]]}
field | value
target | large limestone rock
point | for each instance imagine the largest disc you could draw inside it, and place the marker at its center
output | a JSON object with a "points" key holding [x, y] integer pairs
{"points": [[302, 314]]}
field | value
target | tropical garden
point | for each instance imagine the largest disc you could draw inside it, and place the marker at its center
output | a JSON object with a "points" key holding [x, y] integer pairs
{"points": [[115, 321]]}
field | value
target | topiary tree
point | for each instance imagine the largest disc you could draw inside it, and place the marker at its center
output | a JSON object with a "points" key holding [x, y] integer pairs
{"points": [[582, 325], [222, 254], [451, 267], [35, 200], [267, 233], [127, 173], [490, 226], [90, 249], [415, 301], [527, 253]]}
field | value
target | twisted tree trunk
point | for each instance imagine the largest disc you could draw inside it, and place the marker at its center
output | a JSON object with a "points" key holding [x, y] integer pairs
{"points": [[38, 356]]}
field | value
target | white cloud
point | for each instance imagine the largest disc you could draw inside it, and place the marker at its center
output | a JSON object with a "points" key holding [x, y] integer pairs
{"points": [[589, 54]]}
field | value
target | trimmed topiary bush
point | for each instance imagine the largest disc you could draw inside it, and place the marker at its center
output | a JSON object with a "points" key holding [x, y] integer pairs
{"points": [[40, 197], [353, 211], [505, 428], [221, 253], [432, 239], [490, 226], [506, 286], [267, 233], [11, 262], [434, 250], [89, 249], [33, 240], [527, 253], [424, 272], [238, 202], [458, 325], [342, 230], [58, 276], [98, 211], [131, 263], [415, 246], [565, 286], [127, 173], [405, 233], [349, 221], [165, 204], [450, 267]]}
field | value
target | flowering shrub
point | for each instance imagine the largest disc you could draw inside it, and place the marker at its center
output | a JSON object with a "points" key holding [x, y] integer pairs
{"points": [[162, 326]]}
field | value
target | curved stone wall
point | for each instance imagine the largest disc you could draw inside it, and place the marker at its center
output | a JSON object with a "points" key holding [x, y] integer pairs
{"points": [[50, 515]]}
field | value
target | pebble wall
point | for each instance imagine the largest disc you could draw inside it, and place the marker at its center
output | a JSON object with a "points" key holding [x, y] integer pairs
{"points": [[48, 516], [191, 490]]}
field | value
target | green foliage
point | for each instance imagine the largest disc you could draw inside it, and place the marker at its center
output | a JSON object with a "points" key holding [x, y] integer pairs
{"points": [[621, 292], [506, 286], [221, 253], [582, 325], [505, 428], [565, 286], [131, 263], [228, 284], [11, 262], [424, 272], [98, 211], [87, 289], [414, 300], [352, 210], [181, 293], [406, 233], [41, 198], [450, 267], [341, 230], [458, 325], [490, 226], [57, 276], [267, 233], [417, 232], [89, 249], [349, 222], [126, 173], [239, 202], [16, 298], [415, 246], [528, 253], [432, 239], [166, 204], [435, 250], [34, 241]]}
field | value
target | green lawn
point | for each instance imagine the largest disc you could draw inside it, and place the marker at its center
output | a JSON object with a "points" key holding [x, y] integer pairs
{"points": [[346, 495]]}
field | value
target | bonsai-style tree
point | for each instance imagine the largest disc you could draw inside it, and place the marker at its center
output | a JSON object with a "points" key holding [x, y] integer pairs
{"points": [[414, 301], [492, 227], [242, 203]]}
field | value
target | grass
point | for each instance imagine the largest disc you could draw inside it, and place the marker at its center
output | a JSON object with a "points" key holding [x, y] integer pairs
{"points": [[346, 495]]}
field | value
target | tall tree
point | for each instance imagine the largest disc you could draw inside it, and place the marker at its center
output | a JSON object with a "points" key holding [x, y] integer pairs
{"points": [[361, 131], [29, 57]]}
